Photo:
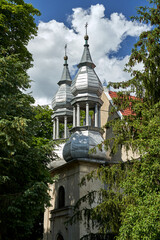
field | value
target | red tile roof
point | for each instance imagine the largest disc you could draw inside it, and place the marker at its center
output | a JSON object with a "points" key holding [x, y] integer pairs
{"points": [[126, 111]]}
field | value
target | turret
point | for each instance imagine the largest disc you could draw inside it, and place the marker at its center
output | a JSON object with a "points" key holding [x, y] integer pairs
{"points": [[61, 103]]}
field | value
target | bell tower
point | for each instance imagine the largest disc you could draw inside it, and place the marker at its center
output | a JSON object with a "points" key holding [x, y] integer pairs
{"points": [[82, 94]]}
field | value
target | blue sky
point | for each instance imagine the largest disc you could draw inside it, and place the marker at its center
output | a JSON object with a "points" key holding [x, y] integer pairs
{"points": [[63, 22], [60, 9]]}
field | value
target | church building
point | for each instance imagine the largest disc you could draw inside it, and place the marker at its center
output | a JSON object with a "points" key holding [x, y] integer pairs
{"points": [[74, 158]]}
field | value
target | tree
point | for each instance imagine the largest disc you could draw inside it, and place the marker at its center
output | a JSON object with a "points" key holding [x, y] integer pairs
{"points": [[43, 126], [129, 206], [17, 27], [24, 175]]}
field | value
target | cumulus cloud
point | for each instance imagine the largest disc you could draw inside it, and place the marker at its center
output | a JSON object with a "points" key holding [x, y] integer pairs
{"points": [[105, 36]]}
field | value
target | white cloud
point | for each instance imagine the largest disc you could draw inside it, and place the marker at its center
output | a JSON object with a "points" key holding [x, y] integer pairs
{"points": [[105, 36]]}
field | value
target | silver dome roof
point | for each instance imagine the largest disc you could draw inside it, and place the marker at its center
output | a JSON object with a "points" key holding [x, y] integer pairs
{"points": [[80, 144], [63, 96], [86, 80]]}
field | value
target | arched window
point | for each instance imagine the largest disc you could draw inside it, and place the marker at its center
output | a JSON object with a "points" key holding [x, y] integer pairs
{"points": [[61, 197], [60, 237]]}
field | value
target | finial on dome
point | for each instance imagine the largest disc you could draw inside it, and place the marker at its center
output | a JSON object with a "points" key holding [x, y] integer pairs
{"points": [[86, 36], [65, 57]]}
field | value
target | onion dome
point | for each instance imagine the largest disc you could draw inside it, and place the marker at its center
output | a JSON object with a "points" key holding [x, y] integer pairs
{"points": [[63, 96], [86, 80], [80, 144]]}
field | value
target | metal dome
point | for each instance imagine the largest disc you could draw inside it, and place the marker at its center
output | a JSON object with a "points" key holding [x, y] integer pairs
{"points": [[86, 80], [63, 96], [80, 144]]}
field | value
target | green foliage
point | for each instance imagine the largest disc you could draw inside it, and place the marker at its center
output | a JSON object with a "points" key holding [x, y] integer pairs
{"points": [[128, 204], [43, 126], [83, 115], [17, 27], [145, 82], [24, 175]]}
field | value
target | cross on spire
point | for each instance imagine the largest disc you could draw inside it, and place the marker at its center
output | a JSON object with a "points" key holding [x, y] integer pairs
{"points": [[65, 57], [65, 47], [86, 36], [86, 27]]}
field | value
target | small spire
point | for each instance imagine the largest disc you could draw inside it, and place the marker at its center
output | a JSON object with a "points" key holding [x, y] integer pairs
{"points": [[65, 57], [86, 36], [86, 59]]}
